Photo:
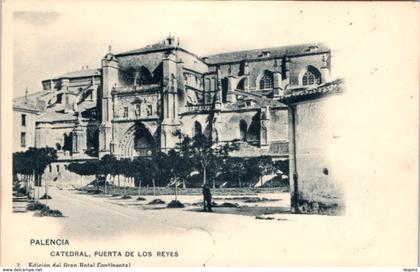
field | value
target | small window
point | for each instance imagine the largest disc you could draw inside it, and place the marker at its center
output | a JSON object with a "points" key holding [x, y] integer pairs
{"points": [[125, 112], [23, 120], [50, 168], [149, 110], [266, 53], [58, 168], [65, 167], [23, 139], [59, 98], [266, 82]]}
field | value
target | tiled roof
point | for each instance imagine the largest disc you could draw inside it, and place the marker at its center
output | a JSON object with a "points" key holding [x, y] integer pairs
{"points": [[274, 52], [53, 116], [27, 106], [32, 101], [279, 148], [149, 48], [80, 73], [333, 87], [259, 100]]}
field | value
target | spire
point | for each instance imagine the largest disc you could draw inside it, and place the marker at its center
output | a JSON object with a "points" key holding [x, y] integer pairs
{"points": [[26, 93], [109, 49]]}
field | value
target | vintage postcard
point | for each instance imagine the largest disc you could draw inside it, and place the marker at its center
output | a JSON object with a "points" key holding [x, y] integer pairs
{"points": [[139, 133]]}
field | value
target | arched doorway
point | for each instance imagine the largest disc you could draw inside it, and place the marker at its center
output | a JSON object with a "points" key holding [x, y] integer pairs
{"points": [[143, 144], [137, 142]]}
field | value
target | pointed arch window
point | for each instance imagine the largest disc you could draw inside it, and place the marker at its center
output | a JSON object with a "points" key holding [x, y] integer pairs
{"points": [[266, 81], [311, 76], [308, 78], [197, 129]]}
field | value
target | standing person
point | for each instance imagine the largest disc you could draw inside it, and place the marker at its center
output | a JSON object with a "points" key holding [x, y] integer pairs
{"points": [[207, 198]]}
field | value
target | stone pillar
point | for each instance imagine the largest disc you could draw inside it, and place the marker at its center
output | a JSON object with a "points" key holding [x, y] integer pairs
{"points": [[219, 94], [170, 122], [325, 71], [231, 98], [216, 127], [109, 81], [79, 139], [277, 84], [264, 132], [64, 84], [286, 73]]}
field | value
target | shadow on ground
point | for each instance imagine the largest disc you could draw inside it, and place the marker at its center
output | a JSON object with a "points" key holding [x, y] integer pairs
{"points": [[247, 211]]}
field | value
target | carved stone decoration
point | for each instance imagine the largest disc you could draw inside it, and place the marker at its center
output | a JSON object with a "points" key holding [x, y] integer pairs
{"points": [[137, 110]]}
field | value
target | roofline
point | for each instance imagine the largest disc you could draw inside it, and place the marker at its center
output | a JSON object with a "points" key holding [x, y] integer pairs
{"points": [[269, 58], [62, 77], [123, 54], [26, 110], [293, 100]]}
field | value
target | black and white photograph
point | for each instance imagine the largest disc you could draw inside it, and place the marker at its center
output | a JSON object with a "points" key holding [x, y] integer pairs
{"points": [[209, 134]]}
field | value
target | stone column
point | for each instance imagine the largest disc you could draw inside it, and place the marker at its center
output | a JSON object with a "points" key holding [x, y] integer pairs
{"points": [[170, 122], [325, 71], [286, 73], [109, 81], [264, 131], [79, 139], [231, 98]]}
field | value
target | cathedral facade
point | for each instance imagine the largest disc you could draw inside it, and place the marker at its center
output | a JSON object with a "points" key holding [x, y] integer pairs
{"points": [[134, 103]]}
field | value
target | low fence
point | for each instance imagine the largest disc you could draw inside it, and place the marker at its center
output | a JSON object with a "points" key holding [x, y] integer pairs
{"points": [[196, 191]]}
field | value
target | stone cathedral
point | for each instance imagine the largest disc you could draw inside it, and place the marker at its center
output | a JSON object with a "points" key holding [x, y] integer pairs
{"points": [[132, 105]]}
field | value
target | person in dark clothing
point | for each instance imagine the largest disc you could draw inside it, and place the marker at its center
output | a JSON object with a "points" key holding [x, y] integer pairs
{"points": [[207, 198]]}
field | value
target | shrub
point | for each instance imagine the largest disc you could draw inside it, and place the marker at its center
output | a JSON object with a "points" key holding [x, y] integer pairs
{"points": [[52, 213], [228, 205], [34, 206], [45, 196], [175, 204], [156, 201]]}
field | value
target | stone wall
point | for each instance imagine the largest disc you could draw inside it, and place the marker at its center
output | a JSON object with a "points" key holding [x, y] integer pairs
{"points": [[28, 129], [319, 187], [50, 135]]}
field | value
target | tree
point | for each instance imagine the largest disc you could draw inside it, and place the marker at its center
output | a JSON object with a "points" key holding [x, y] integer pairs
{"points": [[77, 169], [234, 169], [203, 154], [176, 167], [33, 162], [126, 168], [108, 166]]}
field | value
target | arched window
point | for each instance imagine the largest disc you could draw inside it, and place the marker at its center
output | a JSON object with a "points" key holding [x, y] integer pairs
{"points": [[207, 84], [311, 76], [243, 127], [241, 84], [308, 78], [144, 76], [197, 129], [213, 84], [266, 81]]}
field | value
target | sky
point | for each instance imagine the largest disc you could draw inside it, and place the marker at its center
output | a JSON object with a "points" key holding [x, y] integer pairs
{"points": [[59, 39], [52, 38]]}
